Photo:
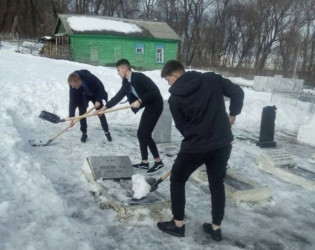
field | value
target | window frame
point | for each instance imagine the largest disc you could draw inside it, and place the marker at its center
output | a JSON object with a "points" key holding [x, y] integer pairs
{"points": [[160, 56], [139, 46]]}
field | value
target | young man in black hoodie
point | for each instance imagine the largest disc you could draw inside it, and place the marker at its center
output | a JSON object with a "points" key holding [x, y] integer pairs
{"points": [[85, 87], [141, 92], [198, 108]]}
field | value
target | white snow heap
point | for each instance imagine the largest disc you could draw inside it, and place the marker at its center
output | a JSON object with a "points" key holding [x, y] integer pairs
{"points": [[140, 186], [92, 24], [307, 133]]}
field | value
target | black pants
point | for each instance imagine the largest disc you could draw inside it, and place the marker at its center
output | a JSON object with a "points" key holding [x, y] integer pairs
{"points": [[147, 124], [83, 123], [185, 164]]}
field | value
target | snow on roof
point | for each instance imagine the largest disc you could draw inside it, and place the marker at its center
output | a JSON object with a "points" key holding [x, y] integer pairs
{"points": [[104, 25], [84, 23]]}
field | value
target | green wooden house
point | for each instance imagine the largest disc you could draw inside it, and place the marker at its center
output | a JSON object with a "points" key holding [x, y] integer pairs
{"points": [[101, 40]]}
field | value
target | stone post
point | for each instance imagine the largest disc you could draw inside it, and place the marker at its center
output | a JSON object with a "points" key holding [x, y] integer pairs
{"points": [[163, 129]]}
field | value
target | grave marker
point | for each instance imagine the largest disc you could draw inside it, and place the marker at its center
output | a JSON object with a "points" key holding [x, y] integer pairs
{"points": [[110, 167]]}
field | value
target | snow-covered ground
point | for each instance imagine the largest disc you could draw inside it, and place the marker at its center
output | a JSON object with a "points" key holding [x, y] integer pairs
{"points": [[44, 198]]}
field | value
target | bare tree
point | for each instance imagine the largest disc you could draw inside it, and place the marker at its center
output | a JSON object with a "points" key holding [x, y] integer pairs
{"points": [[273, 17], [35, 18], [147, 8], [243, 14]]}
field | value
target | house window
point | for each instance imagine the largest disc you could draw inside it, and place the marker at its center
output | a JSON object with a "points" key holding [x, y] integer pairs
{"points": [[139, 48], [160, 53]]}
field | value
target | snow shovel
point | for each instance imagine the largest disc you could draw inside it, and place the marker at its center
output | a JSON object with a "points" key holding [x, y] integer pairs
{"points": [[56, 119], [155, 183], [39, 143]]}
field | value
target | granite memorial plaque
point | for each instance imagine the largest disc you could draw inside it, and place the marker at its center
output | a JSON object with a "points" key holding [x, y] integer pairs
{"points": [[110, 167]]}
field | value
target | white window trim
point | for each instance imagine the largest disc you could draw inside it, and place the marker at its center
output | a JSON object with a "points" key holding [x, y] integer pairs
{"points": [[159, 56]]}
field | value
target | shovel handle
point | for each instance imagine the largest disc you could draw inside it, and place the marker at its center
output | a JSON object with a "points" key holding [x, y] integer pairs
{"points": [[89, 111], [99, 113], [167, 174], [66, 128]]}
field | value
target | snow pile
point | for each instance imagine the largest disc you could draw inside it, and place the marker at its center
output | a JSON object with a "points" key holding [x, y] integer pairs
{"points": [[93, 23], [140, 186], [307, 133], [241, 81]]}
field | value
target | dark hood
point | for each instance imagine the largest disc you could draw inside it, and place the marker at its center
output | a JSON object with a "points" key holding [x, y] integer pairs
{"points": [[187, 84]]}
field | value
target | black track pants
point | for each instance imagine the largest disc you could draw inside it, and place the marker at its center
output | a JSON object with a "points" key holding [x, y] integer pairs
{"points": [[146, 127], [83, 123], [185, 164]]}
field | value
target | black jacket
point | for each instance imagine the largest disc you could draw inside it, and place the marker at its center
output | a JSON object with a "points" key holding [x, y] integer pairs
{"points": [[146, 89], [198, 108], [93, 90]]}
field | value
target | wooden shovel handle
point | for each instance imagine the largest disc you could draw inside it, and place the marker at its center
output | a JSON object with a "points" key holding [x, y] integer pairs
{"points": [[99, 113], [167, 174], [88, 112], [66, 128]]}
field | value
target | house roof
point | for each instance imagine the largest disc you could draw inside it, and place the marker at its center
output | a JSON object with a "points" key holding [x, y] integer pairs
{"points": [[103, 25]]}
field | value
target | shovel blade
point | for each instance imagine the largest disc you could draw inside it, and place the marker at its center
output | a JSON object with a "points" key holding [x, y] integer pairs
{"points": [[153, 183], [49, 117], [38, 143]]}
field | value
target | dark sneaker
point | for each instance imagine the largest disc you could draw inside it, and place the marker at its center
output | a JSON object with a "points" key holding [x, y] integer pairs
{"points": [[157, 166], [83, 137], [171, 228], [141, 165], [215, 234], [108, 136]]}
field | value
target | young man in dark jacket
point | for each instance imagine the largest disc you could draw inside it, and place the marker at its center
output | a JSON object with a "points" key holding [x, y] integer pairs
{"points": [[198, 108], [141, 92], [85, 87]]}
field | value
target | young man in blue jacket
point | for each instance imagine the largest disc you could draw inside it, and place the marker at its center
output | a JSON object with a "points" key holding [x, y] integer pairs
{"points": [[85, 87], [198, 109], [141, 92]]}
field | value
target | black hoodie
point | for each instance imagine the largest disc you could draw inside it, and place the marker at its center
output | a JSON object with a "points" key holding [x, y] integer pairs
{"points": [[198, 108]]}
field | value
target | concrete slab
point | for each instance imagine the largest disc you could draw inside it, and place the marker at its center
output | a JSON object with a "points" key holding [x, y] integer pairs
{"points": [[119, 198], [277, 157], [237, 188], [117, 195], [280, 163]]}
